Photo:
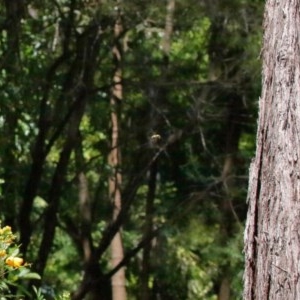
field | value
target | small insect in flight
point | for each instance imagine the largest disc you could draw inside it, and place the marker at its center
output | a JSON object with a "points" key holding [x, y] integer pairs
{"points": [[155, 139]]}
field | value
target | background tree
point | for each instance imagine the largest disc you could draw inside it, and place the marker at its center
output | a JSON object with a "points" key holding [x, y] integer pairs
{"points": [[114, 161]]}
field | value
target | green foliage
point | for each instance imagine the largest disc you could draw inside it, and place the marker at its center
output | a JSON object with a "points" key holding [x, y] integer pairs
{"points": [[38, 294], [203, 91], [13, 269]]}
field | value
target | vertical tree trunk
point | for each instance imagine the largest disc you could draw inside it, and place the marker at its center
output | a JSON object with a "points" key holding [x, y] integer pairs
{"points": [[148, 228], [232, 133], [88, 44], [223, 69], [156, 98], [224, 291], [10, 62], [272, 245], [58, 180], [118, 280], [166, 43], [85, 207]]}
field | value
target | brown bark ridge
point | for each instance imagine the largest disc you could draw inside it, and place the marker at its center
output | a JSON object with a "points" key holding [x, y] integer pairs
{"points": [[272, 239]]}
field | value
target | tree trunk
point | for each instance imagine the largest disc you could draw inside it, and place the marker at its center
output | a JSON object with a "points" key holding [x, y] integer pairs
{"points": [[148, 228], [88, 42], [58, 180], [272, 246], [156, 97], [224, 291], [118, 280], [85, 207], [10, 62], [232, 132]]}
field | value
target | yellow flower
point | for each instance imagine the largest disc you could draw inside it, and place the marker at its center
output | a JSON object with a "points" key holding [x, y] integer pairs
{"points": [[6, 228], [15, 262], [9, 241], [2, 253]]}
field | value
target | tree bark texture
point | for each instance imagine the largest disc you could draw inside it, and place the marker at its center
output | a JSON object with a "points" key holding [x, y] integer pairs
{"points": [[272, 238]]}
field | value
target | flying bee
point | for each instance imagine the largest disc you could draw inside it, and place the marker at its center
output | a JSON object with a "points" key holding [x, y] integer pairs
{"points": [[155, 140]]}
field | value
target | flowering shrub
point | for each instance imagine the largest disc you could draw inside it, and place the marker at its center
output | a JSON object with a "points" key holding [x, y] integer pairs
{"points": [[13, 268]]}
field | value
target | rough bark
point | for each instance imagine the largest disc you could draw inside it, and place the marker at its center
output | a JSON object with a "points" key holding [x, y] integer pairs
{"points": [[272, 240]]}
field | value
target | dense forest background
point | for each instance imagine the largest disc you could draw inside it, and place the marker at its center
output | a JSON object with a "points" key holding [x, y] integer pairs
{"points": [[127, 129]]}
